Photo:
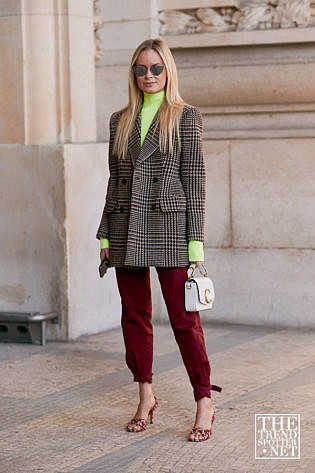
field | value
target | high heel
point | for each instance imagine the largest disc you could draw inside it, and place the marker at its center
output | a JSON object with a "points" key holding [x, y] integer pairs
{"points": [[139, 424], [199, 435], [151, 412]]}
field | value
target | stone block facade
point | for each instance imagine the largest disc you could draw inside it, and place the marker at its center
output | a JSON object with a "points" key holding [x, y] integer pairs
{"points": [[64, 68]]}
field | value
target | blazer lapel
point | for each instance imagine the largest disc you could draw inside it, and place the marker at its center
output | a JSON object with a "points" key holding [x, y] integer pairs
{"points": [[134, 141], [151, 142]]}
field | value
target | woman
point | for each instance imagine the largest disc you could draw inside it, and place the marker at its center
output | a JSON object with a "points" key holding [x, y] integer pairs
{"points": [[154, 216]]}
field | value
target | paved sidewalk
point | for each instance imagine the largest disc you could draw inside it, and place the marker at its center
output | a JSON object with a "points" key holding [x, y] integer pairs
{"points": [[64, 406]]}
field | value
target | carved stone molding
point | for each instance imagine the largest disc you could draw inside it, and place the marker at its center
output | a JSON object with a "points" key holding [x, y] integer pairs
{"points": [[242, 15], [98, 24]]}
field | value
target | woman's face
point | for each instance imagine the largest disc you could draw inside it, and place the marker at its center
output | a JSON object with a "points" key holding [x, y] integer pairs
{"points": [[149, 82]]}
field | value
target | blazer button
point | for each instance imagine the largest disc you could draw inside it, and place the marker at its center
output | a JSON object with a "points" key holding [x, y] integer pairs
{"points": [[122, 210], [153, 206], [155, 179], [123, 181]]}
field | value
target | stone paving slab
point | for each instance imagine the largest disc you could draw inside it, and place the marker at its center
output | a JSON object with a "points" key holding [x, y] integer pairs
{"points": [[64, 406]]}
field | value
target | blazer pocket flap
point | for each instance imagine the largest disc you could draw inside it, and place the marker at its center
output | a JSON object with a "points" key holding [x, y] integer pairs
{"points": [[173, 203]]}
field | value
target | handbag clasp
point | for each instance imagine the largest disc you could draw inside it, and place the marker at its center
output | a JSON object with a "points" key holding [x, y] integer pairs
{"points": [[207, 296]]}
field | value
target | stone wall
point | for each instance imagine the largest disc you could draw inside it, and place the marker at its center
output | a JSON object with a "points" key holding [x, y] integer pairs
{"points": [[52, 171], [254, 87], [248, 68], [33, 270], [258, 105]]}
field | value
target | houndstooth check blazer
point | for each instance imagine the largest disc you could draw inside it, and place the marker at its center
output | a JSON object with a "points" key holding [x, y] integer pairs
{"points": [[155, 201]]}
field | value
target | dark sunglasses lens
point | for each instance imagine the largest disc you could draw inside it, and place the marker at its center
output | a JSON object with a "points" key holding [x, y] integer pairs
{"points": [[139, 70], [157, 69]]}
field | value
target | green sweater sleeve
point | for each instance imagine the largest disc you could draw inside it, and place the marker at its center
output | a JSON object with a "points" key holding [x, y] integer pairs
{"points": [[195, 251], [104, 242]]}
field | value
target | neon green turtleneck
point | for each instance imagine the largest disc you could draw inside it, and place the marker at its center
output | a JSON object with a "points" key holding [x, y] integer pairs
{"points": [[151, 105]]}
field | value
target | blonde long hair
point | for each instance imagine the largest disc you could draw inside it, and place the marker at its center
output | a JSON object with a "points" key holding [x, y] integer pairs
{"points": [[170, 111]]}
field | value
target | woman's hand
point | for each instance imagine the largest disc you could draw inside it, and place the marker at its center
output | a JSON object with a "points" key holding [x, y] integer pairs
{"points": [[104, 253], [198, 263]]}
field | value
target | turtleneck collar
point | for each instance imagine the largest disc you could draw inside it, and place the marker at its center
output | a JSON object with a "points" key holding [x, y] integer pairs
{"points": [[150, 107], [155, 99]]}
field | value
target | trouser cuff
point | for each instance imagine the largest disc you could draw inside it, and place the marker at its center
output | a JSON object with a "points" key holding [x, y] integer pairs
{"points": [[142, 379], [207, 393]]}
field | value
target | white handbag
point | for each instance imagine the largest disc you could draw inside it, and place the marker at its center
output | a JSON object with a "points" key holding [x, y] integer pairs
{"points": [[199, 290]]}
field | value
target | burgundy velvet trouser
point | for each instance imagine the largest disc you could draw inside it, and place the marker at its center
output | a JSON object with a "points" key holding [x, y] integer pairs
{"points": [[135, 293]]}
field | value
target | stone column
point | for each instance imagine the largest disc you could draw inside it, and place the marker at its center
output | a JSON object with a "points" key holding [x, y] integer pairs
{"points": [[52, 170], [124, 25], [49, 91]]}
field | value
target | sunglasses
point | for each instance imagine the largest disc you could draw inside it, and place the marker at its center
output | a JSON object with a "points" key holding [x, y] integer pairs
{"points": [[141, 71]]}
